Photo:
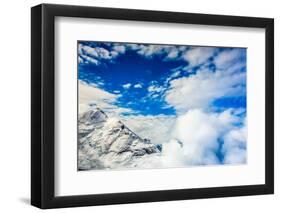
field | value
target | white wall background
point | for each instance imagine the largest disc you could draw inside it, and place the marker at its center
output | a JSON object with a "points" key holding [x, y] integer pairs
{"points": [[15, 105]]}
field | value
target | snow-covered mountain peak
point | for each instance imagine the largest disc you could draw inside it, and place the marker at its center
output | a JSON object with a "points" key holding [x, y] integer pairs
{"points": [[93, 116], [106, 142]]}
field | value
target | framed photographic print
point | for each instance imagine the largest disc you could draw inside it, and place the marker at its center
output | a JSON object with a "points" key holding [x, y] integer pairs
{"points": [[139, 106]]}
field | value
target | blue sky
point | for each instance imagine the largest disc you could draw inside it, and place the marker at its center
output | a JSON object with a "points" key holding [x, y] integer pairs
{"points": [[144, 76]]}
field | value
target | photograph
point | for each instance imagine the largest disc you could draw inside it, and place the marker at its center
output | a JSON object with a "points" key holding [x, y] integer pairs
{"points": [[152, 106]]}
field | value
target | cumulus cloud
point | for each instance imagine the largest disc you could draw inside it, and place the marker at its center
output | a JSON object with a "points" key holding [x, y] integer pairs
{"points": [[119, 48], [194, 138], [173, 155], [169, 52], [234, 147], [201, 89], [201, 133], [230, 58], [198, 55], [95, 55], [127, 86], [96, 52], [150, 50], [194, 56]]}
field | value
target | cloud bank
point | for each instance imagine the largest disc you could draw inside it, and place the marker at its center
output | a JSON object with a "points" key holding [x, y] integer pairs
{"points": [[156, 128], [202, 137]]}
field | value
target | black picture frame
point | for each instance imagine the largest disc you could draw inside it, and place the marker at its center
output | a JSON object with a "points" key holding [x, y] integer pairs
{"points": [[43, 102]]}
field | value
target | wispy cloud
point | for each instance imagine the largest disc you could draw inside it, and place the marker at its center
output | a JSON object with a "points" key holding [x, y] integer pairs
{"points": [[154, 88]]}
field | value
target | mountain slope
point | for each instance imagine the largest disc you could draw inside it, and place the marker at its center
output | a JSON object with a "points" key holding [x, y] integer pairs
{"points": [[107, 143]]}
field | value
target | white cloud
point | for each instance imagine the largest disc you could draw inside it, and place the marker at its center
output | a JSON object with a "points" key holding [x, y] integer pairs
{"points": [[234, 147], [194, 56], [156, 128], [96, 54], [155, 91], [119, 48], [173, 155], [127, 86], [149, 50], [199, 132], [137, 86], [201, 89], [173, 54], [229, 58], [154, 88], [174, 75], [155, 95], [198, 55], [100, 82], [133, 46], [89, 50], [92, 96], [88, 59], [170, 52], [193, 138]]}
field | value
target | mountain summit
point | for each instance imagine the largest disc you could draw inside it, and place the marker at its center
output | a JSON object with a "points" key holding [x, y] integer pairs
{"points": [[107, 143]]}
